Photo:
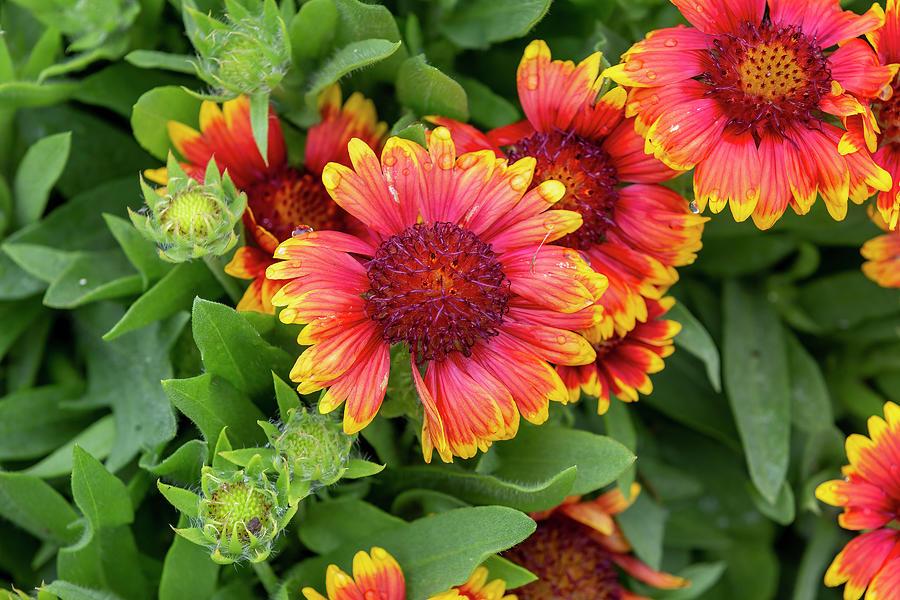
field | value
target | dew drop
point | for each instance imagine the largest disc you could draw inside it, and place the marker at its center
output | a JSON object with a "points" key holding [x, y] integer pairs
{"points": [[531, 82], [886, 92], [82, 281], [693, 207], [651, 75], [654, 99], [405, 172], [390, 160], [518, 183], [561, 339], [634, 64], [426, 164], [446, 161], [301, 230], [671, 43], [751, 193]]}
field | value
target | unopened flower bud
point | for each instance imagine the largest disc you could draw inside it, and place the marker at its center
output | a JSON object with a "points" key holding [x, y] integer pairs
{"points": [[313, 446], [248, 53], [188, 219]]}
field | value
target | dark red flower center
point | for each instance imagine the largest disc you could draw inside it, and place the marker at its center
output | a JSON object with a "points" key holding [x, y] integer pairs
{"points": [[888, 114], [438, 288], [291, 199], [568, 563], [765, 77], [588, 174], [605, 347]]}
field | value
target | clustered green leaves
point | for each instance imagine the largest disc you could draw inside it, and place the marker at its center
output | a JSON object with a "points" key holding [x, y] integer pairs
{"points": [[785, 346]]}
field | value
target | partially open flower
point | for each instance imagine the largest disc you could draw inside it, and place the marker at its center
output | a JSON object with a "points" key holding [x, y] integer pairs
{"points": [[188, 219]]}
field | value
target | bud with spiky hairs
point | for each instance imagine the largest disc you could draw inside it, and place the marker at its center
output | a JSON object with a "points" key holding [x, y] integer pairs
{"points": [[313, 447], [188, 219], [240, 514], [249, 53]]}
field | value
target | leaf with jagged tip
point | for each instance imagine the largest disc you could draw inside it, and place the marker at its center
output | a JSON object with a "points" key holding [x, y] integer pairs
{"points": [[758, 384], [351, 57], [427, 91], [184, 500], [538, 454], [478, 488], [232, 349]]}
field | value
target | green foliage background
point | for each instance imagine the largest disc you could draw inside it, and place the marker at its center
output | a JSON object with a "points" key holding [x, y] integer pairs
{"points": [[786, 346]]}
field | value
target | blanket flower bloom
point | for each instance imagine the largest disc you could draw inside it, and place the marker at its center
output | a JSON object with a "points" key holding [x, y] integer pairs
{"points": [[477, 588], [280, 198], [457, 265], [624, 360], [375, 575], [882, 254], [574, 550], [870, 496], [745, 96], [635, 230], [886, 41]]}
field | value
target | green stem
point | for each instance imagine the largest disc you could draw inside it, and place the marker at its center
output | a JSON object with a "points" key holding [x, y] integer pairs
{"points": [[267, 577], [230, 285]]}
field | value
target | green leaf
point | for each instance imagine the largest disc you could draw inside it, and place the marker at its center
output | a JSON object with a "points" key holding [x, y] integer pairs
{"points": [[736, 255], [435, 552], [153, 59], [118, 87], [539, 454], [37, 508], [782, 510], [182, 466], [358, 468], [620, 427], [644, 524], [511, 573], [479, 23], [108, 560], [259, 122], [173, 293], [694, 338], [212, 403], [187, 570], [41, 166], [817, 555], [101, 496], [477, 488], [428, 91], [27, 94], [702, 577], [140, 251], [69, 591], [840, 301], [98, 440], [312, 30], [184, 500], [487, 108], [351, 57], [93, 276], [16, 283], [285, 395], [810, 406], [756, 379], [32, 422], [155, 109], [232, 349], [329, 525], [130, 387], [15, 318]]}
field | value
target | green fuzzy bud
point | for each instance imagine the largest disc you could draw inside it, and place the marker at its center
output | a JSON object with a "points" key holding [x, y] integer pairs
{"points": [[188, 219], [312, 446], [249, 53], [240, 514]]}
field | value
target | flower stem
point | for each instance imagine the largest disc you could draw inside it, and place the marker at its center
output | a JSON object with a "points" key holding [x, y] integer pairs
{"points": [[225, 280], [267, 577]]}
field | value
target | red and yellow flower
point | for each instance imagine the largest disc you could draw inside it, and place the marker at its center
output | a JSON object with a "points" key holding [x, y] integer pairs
{"points": [[745, 96], [377, 576], [280, 199], [882, 254], [635, 230], [575, 549], [458, 264], [624, 360], [870, 496], [886, 41]]}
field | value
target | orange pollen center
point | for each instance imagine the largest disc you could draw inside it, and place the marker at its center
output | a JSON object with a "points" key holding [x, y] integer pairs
{"points": [[765, 77], [568, 563], [290, 200]]}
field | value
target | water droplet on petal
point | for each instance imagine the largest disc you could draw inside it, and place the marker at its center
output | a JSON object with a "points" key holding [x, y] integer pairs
{"points": [[405, 172], [651, 75], [886, 92], [634, 64], [390, 160], [654, 99], [518, 183], [531, 82], [751, 193], [561, 339], [693, 207], [301, 230], [446, 161], [426, 164], [671, 43]]}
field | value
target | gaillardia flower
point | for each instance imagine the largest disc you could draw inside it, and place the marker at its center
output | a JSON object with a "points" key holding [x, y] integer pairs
{"points": [[635, 230], [377, 576], [886, 41], [280, 199], [458, 265], [746, 95], [870, 495], [624, 360], [576, 548], [882, 254]]}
